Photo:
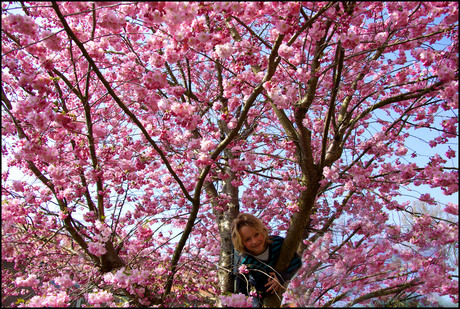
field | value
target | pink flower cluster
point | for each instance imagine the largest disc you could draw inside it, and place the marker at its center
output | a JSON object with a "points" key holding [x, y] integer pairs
{"points": [[452, 208], [112, 21], [52, 41], [54, 300], [155, 80], [185, 115], [30, 281], [133, 280], [103, 232], [97, 298], [224, 51], [243, 269], [446, 73], [207, 145], [280, 99], [21, 23], [350, 40], [97, 248], [127, 278], [64, 281], [236, 301]]}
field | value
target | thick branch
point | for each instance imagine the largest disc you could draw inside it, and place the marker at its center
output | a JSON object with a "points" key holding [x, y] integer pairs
{"points": [[285, 122], [385, 291], [94, 160], [334, 152], [402, 97]]}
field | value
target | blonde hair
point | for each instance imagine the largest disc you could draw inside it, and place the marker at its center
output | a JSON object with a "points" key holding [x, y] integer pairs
{"points": [[249, 220]]}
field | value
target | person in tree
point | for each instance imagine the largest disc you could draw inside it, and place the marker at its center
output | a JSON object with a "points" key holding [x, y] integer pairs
{"points": [[260, 252]]}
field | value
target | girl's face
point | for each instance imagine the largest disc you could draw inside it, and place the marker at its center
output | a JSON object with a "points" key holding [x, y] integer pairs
{"points": [[253, 240]]}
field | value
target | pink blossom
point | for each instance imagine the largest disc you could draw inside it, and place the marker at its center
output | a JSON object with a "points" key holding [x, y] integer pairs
{"points": [[202, 37], [232, 123], [63, 215], [279, 99], [293, 207], [243, 269], [427, 57], [112, 21], [268, 85], [175, 83], [446, 73], [236, 300], [224, 51], [64, 281], [104, 231], [53, 41], [99, 297], [164, 105], [30, 281], [97, 248], [450, 91], [160, 270], [24, 80], [207, 145], [23, 24], [350, 40], [18, 185], [89, 216], [60, 299], [172, 55], [401, 151], [400, 18], [157, 61], [286, 51], [394, 231], [282, 27], [203, 159], [182, 109], [155, 80], [119, 278], [427, 198], [349, 185], [41, 83], [316, 32], [451, 208], [330, 174], [381, 37], [217, 106]]}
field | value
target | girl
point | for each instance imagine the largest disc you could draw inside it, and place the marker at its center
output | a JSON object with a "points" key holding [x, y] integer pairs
{"points": [[260, 253]]}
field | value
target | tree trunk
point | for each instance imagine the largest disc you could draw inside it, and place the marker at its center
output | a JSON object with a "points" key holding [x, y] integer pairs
{"points": [[299, 223], [225, 217], [224, 272], [111, 260], [224, 221]]}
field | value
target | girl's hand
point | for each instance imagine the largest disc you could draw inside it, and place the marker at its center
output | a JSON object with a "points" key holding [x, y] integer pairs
{"points": [[273, 284]]}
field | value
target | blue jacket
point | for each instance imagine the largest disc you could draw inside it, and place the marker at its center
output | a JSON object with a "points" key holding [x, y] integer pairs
{"points": [[259, 270]]}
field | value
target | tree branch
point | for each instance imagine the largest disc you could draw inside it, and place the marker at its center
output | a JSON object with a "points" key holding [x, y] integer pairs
{"points": [[335, 151], [385, 291], [402, 97]]}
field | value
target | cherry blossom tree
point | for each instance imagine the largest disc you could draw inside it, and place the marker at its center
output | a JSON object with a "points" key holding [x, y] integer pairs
{"points": [[144, 128]]}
